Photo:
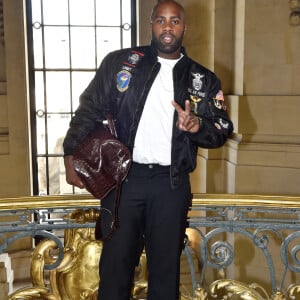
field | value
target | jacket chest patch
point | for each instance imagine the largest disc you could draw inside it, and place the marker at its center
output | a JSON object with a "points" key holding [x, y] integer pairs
{"points": [[196, 94], [194, 103], [125, 74], [123, 79], [195, 91], [197, 82], [196, 86]]}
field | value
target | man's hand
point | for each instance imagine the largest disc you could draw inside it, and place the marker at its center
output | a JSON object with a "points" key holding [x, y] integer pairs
{"points": [[187, 121], [71, 175]]}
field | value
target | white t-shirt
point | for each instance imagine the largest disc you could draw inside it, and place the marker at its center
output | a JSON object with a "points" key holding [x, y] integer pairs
{"points": [[154, 133]]}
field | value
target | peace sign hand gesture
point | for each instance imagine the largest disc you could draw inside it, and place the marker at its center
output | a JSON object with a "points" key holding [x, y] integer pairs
{"points": [[187, 120]]}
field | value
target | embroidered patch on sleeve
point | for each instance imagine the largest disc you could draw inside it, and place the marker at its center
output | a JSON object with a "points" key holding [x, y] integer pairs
{"points": [[223, 123], [219, 101], [123, 79], [220, 96]]}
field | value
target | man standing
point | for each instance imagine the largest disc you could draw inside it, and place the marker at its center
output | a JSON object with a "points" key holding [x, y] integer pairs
{"points": [[165, 106]]}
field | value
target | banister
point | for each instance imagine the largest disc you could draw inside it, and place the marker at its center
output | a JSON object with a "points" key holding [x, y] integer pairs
{"points": [[219, 224]]}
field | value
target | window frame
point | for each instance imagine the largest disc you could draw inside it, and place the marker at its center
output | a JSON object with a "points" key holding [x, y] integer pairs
{"points": [[32, 86]]}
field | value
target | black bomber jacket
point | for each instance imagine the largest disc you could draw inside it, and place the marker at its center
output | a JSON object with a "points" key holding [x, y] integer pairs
{"points": [[121, 85]]}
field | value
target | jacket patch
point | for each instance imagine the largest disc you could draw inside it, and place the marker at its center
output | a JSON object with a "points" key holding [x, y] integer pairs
{"points": [[123, 79], [220, 96], [194, 103], [124, 76], [219, 101], [133, 58], [222, 124], [197, 82], [218, 104], [197, 94]]}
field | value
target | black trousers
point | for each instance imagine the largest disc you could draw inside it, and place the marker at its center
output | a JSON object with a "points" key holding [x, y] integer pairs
{"points": [[151, 214]]}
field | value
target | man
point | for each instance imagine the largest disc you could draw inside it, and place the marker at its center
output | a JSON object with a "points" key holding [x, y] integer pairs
{"points": [[165, 106]]}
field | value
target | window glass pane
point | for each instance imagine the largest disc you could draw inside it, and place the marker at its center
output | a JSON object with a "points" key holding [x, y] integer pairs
{"points": [[42, 178], [55, 12], [58, 91], [64, 187], [36, 11], [56, 47], [40, 133], [58, 125], [108, 39], [67, 188], [80, 191], [83, 47], [80, 81], [56, 175], [39, 91], [57, 128], [126, 39], [82, 12], [126, 12], [108, 12], [37, 47]]}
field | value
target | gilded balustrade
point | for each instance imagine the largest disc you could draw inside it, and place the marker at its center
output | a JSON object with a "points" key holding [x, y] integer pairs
{"points": [[237, 247]]}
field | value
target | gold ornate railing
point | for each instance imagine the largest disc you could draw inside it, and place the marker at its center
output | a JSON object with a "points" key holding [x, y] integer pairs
{"points": [[237, 246]]}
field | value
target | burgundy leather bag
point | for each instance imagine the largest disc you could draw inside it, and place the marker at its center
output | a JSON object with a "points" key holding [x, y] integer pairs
{"points": [[102, 163]]}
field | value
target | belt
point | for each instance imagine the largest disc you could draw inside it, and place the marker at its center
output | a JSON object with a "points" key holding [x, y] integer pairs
{"points": [[150, 166]]}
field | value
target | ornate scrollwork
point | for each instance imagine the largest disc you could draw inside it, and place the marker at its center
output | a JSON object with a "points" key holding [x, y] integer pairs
{"points": [[140, 287], [291, 257], [80, 260], [222, 253], [293, 291], [219, 254], [233, 287], [32, 294]]}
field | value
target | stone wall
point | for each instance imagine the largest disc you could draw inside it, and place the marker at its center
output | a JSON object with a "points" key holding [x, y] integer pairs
{"points": [[253, 47]]}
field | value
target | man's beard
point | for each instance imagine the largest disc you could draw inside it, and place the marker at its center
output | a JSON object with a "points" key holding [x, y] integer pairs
{"points": [[169, 48]]}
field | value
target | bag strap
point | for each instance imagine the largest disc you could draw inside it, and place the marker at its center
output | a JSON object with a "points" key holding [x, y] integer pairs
{"points": [[115, 221], [111, 125]]}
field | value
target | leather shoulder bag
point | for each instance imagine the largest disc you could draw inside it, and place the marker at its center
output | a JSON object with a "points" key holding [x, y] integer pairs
{"points": [[102, 162]]}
